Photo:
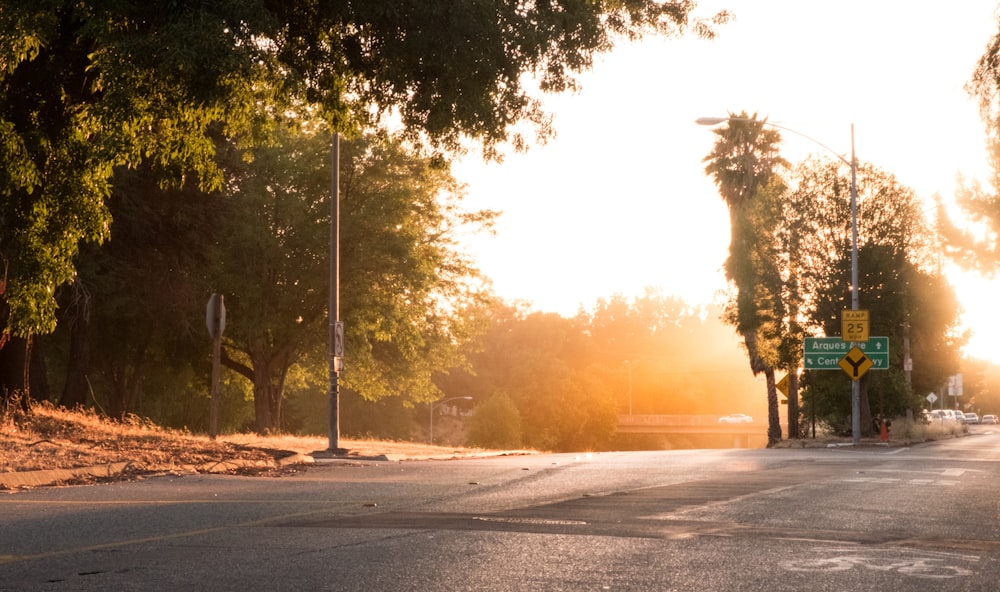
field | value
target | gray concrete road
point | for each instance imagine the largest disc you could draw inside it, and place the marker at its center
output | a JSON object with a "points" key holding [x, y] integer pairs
{"points": [[919, 518]]}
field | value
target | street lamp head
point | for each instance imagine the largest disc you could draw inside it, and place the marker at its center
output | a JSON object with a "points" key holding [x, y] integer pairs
{"points": [[446, 399], [710, 120]]}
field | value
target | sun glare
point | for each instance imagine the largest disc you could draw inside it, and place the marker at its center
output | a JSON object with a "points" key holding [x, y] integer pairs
{"points": [[977, 296]]}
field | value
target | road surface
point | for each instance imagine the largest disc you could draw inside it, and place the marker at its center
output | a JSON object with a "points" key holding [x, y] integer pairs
{"points": [[917, 518]]}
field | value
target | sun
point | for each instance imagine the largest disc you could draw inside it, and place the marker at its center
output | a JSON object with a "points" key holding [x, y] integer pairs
{"points": [[977, 296]]}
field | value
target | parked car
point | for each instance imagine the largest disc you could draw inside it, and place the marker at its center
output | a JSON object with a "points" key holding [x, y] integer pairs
{"points": [[736, 418], [989, 418], [971, 418], [952, 415], [934, 415]]}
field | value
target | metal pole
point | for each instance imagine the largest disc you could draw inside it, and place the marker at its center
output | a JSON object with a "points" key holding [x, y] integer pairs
{"points": [[629, 364], [334, 305], [213, 410], [855, 384]]}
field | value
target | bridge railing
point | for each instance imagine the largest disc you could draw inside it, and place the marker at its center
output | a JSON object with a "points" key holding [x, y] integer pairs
{"points": [[668, 420]]}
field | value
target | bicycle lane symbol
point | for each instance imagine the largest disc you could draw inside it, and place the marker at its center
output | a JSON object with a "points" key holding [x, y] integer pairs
{"points": [[927, 565]]}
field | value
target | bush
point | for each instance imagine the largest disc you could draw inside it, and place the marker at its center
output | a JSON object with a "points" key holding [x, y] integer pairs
{"points": [[495, 423]]}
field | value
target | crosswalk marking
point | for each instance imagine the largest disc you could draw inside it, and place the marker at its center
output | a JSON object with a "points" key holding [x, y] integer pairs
{"points": [[889, 480]]}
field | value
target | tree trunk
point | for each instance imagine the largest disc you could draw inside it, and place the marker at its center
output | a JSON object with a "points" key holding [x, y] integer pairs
{"points": [[125, 380], [793, 403], [275, 396], [263, 421], [773, 417], [76, 388], [22, 371], [12, 369], [38, 375], [268, 392], [757, 366]]}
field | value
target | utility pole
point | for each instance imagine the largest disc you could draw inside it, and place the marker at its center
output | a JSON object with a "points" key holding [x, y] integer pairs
{"points": [[336, 336]]}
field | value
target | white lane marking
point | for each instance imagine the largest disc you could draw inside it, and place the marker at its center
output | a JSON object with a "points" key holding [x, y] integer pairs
{"points": [[917, 564], [890, 481]]}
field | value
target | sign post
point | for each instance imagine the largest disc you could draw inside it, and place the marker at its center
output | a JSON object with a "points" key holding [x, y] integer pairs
{"points": [[215, 320]]}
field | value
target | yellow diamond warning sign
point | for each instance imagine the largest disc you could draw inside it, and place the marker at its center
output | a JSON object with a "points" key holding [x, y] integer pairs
{"points": [[855, 363]]}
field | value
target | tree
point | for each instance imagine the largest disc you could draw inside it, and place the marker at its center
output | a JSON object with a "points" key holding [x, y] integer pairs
{"points": [[86, 87], [907, 297], [743, 163], [131, 336], [263, 243], [270, 261], [980, 249], [496, 424], [568, 379], [142, 332], [404, 282], [543, 363]]}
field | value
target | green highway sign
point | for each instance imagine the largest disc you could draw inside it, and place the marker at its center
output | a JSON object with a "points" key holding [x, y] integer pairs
{"points": [[825, 353]]}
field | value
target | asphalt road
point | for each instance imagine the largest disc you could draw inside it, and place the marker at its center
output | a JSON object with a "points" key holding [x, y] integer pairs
{"points": [[919, 518]]}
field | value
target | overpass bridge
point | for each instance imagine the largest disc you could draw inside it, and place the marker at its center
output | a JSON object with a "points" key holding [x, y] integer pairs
{"points": [[685, 424], [692, 425]]}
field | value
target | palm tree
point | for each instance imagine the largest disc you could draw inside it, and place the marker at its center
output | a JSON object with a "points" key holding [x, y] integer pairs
{"points": [[743, 164]]}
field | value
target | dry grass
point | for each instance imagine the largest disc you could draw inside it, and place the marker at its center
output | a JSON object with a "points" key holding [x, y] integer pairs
{"points": [[53, 438], [901, 433]]}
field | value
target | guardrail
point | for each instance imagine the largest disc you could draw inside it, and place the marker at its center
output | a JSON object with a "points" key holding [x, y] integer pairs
{"points": [[685, 424]]}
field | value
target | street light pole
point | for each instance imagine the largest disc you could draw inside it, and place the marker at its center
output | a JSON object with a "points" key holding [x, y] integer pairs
{"points": [[629, 364], [434, 405], [336, 328], [853, 163], [855, 384]]}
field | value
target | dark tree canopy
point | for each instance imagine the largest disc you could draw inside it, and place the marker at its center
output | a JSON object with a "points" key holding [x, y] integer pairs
{"points": [[88, 86]]}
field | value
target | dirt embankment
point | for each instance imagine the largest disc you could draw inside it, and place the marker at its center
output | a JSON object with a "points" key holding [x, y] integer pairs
{"points": [[47, 438]]}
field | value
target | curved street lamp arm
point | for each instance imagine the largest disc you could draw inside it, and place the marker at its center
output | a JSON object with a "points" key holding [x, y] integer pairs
{"points": [[718, 120]]}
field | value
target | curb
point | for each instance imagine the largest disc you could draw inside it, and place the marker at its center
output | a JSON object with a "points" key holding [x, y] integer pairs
{"points": [[46, 477], [28, 479], [49, 476]]}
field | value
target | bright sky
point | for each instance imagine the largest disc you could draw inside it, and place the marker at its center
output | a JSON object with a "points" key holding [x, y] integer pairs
{"points": [[619, 200]]}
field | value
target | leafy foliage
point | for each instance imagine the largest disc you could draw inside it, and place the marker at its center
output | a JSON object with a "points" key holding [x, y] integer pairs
{"points": [[569, 379], [263, 242], [790, 259], [979, 247], [907, 297], [496, 423], [86, 87]]}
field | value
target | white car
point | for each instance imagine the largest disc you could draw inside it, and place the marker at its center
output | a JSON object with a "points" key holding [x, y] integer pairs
{"points": [[989, 418], [736, 418]]}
